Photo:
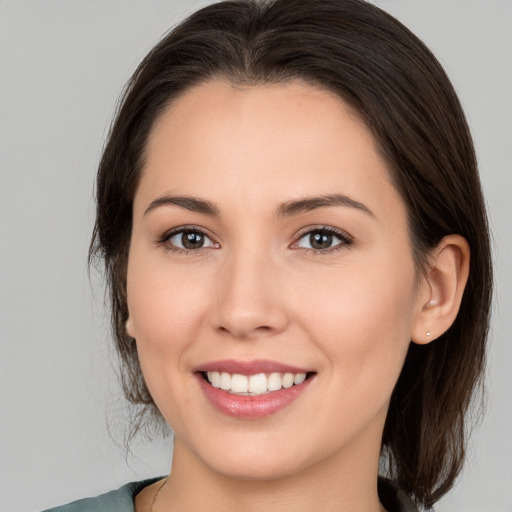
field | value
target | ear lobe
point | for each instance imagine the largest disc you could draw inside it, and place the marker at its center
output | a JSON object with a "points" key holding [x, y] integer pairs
{"points": [[129, 327], [444, 283]]}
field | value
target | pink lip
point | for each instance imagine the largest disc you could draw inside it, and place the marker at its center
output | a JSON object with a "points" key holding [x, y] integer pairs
{"points": [[249, 367], [250, 407]]}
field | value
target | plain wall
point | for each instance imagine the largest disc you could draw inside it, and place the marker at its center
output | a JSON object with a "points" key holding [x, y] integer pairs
{"points": [[63, 64]]}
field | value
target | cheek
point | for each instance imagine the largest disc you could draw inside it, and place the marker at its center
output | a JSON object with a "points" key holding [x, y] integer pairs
{"points": [[161, 299], [166, 310], [362, 327], [362, 320]]}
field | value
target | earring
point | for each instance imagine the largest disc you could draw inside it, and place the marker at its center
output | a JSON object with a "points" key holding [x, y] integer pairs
{"points": [[428, 333]]}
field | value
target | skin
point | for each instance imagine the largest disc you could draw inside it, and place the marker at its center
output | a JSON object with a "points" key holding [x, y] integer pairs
{"points": [[258, 291]]}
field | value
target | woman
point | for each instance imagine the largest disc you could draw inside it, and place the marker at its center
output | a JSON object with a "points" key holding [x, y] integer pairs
{"points": [[294, 237]]}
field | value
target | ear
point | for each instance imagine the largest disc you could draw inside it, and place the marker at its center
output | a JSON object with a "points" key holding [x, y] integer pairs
{"points": [[441, 289], [129, 327]]}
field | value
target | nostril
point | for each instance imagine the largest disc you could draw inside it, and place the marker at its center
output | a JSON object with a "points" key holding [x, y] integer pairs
{"points": [[264, 328], [245, 332]]}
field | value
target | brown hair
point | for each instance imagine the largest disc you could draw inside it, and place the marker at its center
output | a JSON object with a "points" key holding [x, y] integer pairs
{"points": [[399, 89]]}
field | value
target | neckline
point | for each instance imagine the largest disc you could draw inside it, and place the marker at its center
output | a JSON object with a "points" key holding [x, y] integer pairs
{"points": [[391, 497]]}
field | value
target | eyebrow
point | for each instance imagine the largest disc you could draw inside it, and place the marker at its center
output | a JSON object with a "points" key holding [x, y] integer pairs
{"points": [[311, 203], [189, 203], [287, 209]]}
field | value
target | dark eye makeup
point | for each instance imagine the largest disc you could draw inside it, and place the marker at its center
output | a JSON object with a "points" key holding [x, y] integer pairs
{"points": [[318, 239], [186, 239], [322, 239]]}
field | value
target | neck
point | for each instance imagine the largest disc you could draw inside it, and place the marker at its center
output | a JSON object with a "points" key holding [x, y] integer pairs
{"points": [[341, 482]]}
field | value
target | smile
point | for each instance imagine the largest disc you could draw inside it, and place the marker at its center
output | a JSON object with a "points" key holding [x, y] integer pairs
{"points": [[254, 385], [250, 390]]}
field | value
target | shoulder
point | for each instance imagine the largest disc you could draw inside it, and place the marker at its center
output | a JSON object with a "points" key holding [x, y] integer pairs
{"points": [[120, 500]]}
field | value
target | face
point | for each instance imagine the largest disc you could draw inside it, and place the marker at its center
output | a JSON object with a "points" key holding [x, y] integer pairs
{"points": [[271, 283]]}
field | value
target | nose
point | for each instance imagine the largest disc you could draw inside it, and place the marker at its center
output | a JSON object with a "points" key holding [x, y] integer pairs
{"points": [[250, 303]]}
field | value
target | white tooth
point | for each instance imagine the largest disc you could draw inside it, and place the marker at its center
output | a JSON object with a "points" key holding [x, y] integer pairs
{"points": [[225, 381], [239, 383], [274, 382], [216, 379], [258, 383], [299, 378], [287, 380]]}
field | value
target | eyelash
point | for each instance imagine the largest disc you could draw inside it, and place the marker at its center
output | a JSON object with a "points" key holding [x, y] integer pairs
{"points": [[345, 240], [164, 240]]}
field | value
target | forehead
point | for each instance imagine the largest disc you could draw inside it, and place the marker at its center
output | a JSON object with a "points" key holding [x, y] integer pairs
{"points": [[262, 143], [217, 112]]}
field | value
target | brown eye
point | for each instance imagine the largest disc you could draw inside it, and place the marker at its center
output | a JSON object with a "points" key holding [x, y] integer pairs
{"points": [[319, 240], [190, 240], [323, 239]]}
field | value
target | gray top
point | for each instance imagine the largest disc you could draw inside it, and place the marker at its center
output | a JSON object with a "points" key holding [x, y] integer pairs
{"points": [[122, 500]]}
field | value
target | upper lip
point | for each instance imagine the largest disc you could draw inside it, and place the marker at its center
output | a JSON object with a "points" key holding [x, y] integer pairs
{"points": [[249, 367]]}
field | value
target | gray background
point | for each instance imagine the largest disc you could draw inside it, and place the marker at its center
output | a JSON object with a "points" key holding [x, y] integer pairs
{"points": [[63, 63]]}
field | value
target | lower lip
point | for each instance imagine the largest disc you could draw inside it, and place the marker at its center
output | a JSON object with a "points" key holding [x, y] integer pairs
{"points": [[251, 407]]}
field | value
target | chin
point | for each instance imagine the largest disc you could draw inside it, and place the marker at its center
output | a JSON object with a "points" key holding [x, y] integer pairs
{"points": [[257, 459], [257, 469]]}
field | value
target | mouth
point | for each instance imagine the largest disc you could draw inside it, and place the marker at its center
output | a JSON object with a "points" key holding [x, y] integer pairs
{"points": [[251, 390], [254, 385]]}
